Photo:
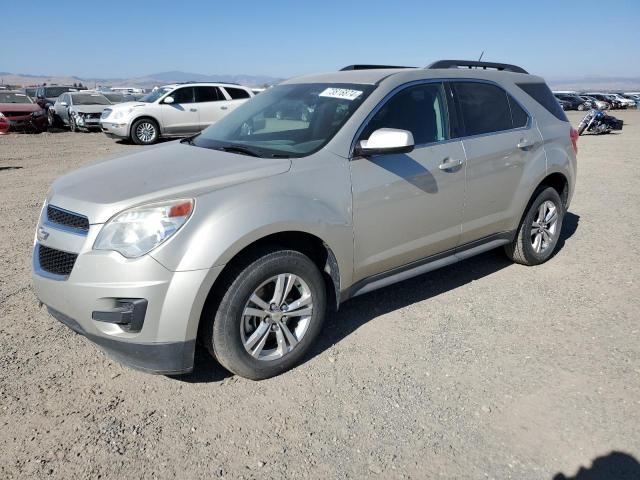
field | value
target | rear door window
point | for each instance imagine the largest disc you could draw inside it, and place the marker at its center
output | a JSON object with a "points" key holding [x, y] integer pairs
{"points": [[519, 116], [237, 93], [419, 109], [541, 94], [484, 107], [208, 94]]}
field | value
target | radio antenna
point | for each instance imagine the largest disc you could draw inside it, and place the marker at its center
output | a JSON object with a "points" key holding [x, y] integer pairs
{"points": [[481, 55]]}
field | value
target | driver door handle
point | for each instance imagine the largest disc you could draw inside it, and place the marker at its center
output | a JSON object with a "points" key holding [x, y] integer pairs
{"points": [[450, 163], [193, 109], [223, 108]]}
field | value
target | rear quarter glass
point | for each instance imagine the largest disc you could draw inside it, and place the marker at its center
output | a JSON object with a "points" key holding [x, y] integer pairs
{"points": [[541, 93]]}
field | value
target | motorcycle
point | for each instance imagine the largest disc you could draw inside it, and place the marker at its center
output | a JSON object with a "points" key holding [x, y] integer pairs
{"points": [[598, 122]]}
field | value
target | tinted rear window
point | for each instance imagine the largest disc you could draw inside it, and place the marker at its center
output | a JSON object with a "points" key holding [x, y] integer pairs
{"points": [[236, 93], [484, 107], [541, 94]]}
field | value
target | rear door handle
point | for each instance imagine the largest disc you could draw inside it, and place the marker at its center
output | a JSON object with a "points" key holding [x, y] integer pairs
{"points": [[193, 109], [526, 144], [223, 108], [450, 163]]}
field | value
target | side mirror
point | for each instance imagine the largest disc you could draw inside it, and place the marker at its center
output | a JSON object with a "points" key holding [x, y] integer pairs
{"points": [[168, 100], [386, 140]]}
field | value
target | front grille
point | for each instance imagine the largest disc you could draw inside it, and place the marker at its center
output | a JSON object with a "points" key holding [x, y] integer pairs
{"points": [[68, 219], [56, 261], [93, 115], [16, 114], [106, 112]]}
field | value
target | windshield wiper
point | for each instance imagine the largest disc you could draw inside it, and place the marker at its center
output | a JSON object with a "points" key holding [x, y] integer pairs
{"points": [[188, 140], [240, 149]]}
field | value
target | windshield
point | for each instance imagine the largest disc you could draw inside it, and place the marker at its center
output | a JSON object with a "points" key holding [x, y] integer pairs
{"points": [[287, 120], [10, 97], [90, 99], [114, 97], [155, 95], [53, 92]]}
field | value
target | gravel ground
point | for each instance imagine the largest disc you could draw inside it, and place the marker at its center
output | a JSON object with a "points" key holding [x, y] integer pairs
{"points": [[481, 370]]}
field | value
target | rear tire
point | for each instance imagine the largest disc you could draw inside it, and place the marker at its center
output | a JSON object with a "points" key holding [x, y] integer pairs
{"points": [[539, 231], [275, 339], [145, 131]]}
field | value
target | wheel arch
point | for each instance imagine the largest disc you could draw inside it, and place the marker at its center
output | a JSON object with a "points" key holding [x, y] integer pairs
{"points": [[306, 243], [143, 116]]}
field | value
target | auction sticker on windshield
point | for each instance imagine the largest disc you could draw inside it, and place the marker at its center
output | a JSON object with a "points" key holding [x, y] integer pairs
{"points": [[343, 93]]}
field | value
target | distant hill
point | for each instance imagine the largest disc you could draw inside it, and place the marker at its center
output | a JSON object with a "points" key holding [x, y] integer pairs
{"points": [[147, 81], [627, 84]]}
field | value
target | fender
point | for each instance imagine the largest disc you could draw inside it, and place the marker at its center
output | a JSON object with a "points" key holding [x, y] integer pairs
{"points": [[227, 220]]}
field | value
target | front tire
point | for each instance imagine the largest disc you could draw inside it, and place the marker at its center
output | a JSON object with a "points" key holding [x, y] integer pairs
{"points": [[539, 231], [145, 131], [269, 315], [72, 123]]}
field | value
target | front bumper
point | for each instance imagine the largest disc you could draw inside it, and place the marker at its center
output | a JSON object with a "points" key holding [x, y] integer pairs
{"points": [[115, 130], [164, 341], [27, 122], [160, 358]]}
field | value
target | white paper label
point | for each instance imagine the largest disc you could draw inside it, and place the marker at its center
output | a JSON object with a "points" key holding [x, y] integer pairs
{"points": [[343, 93]]}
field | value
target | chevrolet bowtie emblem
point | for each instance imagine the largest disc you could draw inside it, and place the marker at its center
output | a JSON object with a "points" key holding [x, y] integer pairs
{"points": [[42, 234]]}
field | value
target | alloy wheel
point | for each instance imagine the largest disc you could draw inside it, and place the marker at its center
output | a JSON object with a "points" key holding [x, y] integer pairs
{"points": [[276, 317], [545, 226], [146, 132]]}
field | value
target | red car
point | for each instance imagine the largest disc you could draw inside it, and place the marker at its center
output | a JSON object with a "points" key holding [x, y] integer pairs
{"points": [[19, 113]]}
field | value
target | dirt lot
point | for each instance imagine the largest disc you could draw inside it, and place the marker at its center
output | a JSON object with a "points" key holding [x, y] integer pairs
{"points": [[482, 370]]}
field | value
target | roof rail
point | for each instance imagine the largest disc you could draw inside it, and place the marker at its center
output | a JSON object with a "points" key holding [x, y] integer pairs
{"points": [[473, 64], [370, 67]]}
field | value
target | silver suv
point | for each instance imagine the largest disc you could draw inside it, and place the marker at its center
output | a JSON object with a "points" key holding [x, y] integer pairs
{"points": [[243, 235], [175, 110]]}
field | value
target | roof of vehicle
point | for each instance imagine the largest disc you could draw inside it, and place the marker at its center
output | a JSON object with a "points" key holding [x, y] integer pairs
{"points": [[374, 74], [200, 84]]}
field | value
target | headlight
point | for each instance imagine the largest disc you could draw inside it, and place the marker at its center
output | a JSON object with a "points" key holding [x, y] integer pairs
{"points": [[139, 230], [38, 113], [1, 115], [121, 113]]}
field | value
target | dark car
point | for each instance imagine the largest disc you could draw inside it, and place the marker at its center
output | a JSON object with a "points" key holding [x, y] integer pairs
{"points": [[31, 92], [574, 102], [46, 95], [19, 113]]}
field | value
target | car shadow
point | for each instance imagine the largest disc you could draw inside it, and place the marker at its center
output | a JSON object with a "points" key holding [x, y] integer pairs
{"points": [[614, 466], [360, 310]]}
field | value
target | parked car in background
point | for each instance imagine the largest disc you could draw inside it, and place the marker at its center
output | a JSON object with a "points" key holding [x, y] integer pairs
{"points": [[564, 104], [243, 239], [610, 99], [626, 102], [176, 110], [78, 110], [595, 103], [574, 101], [46, 96], [19, 113], [31, 92]]}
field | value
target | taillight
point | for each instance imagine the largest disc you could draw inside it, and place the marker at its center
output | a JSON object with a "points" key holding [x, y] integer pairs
{"points": [[573, 134]]}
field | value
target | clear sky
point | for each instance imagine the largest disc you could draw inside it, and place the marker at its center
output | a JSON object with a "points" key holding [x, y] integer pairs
{"points": [[115, 38]]}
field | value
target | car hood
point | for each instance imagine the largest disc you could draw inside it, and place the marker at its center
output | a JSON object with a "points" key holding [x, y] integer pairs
{"points": [[172, 170], [20, 107], [90, 108]]}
